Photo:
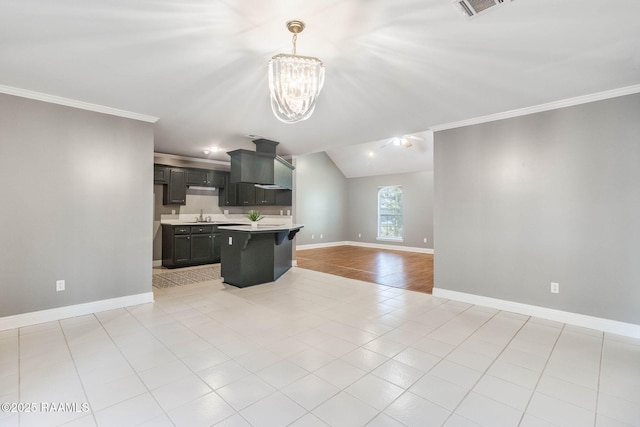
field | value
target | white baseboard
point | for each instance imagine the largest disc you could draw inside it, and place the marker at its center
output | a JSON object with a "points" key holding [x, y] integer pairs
{"points": [[320, 245], [157, 263], [600, 324], [365, 245], [42, 316]]}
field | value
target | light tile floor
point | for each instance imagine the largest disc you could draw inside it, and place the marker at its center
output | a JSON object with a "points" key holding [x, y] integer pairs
{"points": [[316, 350]]}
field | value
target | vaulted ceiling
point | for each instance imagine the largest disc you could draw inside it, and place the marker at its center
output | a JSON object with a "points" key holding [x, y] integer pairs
{"points": [[392, 67]]}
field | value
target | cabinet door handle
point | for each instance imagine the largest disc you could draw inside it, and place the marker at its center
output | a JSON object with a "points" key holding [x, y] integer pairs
{"points": [[209, 236]]}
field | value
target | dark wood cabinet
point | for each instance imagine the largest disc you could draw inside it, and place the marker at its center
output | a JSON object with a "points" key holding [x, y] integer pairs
{"points": [[175, 192], [206, 178], [198, 177], [201, 248], [160, 174], [228, 194], [182, 250], [283, 197], [176, 246], [216, 247], [183, 246], [246, 194], [265, 196], [218, 178], [176, 180]]}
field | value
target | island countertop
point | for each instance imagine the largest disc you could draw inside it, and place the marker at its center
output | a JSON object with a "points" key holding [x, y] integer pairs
{"points": [[263, 228]]}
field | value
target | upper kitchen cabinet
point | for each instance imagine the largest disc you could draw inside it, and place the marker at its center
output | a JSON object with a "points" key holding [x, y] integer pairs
{"points": [[175, 192], [284, 197], [219, 178], [199, 177], [205, 178], [246, 194], [265, 196], [228, 194], [160, 174]]}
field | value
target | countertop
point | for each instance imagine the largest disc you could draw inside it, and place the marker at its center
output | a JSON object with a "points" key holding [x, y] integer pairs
{"points": [[263, 228], [177, 222]]}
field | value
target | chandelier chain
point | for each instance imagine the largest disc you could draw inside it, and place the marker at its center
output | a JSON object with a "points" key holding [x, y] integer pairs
{"points": [[295, 38]]}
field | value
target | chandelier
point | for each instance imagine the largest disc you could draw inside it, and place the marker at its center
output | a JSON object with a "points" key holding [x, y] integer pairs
{"points": [[294, 82]]}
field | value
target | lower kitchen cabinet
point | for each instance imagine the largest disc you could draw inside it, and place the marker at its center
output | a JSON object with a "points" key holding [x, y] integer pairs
{"points": [[183, 246], [201, 245]]}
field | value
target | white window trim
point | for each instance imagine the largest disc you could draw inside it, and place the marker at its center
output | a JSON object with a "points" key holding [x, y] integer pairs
{"points": [[388, 239]]}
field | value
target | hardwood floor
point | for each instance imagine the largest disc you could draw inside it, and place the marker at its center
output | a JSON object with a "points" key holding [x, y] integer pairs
{"points": [[407, 270]]}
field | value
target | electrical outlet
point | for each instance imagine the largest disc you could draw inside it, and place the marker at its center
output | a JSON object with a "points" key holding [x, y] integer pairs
{"points": [[173, 211], [555, 288], [60, 285], [321, 235], [230, 240], [313, 236], [425, 240], [359, 235]]}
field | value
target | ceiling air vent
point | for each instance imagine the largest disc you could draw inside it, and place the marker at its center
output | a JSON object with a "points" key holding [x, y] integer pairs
{"points": [[471, 8]]}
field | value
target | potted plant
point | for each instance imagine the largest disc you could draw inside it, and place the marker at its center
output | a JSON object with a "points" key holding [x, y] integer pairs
{"points": [[254, 216]]}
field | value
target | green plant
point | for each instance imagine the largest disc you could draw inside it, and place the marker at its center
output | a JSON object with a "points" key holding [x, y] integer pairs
{"points": [[254, 215]]}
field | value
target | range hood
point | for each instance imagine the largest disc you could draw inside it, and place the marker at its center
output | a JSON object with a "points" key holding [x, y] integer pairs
{"points": [[261, 167]]}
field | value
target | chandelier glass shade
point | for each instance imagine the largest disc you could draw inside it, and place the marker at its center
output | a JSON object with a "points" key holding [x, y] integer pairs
{"points": [[294, 82]]}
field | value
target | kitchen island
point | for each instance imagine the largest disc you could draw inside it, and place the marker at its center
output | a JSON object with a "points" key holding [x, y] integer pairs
{"points": [[251, 256]]}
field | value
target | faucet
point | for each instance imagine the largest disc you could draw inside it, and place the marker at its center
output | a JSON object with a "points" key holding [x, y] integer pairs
{"points": [[201, 219]]}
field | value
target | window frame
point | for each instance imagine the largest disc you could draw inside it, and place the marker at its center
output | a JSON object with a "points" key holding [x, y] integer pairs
{"points": [[399, 238]]}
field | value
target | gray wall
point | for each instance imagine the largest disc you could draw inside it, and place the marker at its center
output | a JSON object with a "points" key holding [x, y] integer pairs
{"points": [[417, 196], [77, 205], [548, 197], [320, 200]]}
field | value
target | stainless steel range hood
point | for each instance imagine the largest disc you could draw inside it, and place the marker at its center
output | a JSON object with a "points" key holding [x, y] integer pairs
{"points": [[261, 167]]}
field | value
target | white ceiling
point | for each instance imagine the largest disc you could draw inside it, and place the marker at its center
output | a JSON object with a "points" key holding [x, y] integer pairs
{"points": [[392, 67]]}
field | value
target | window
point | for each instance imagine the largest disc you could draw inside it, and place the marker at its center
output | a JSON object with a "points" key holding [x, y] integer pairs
{"points": [[390, 213]]}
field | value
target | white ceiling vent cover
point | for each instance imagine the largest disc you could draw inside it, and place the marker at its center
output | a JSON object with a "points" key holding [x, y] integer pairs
{"points": [[471, 8]]}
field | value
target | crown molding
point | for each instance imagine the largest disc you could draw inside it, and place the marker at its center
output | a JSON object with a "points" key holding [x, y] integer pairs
{"points": [[52, 99], [540, 108]]}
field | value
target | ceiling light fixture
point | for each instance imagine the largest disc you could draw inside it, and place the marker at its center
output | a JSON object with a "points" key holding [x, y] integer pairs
{"points": [[294, 82]]}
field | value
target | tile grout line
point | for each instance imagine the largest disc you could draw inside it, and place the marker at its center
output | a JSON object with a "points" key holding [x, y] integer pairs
{"points": [[488, 367], [84, 390], [541, 373], [595, 420]]}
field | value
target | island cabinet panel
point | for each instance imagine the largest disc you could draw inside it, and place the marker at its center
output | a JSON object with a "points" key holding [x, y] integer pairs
{"points": [[175, 192], [251, 257], [248, 259]]}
